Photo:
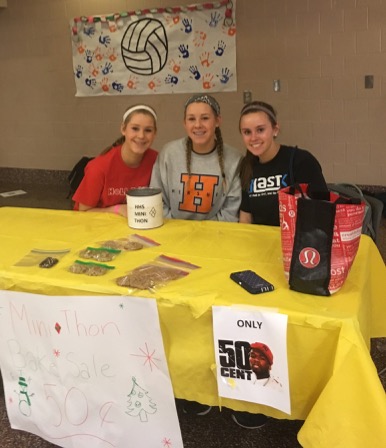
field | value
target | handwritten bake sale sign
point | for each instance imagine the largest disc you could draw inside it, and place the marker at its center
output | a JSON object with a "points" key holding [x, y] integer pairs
{"points": [[87, 371]]}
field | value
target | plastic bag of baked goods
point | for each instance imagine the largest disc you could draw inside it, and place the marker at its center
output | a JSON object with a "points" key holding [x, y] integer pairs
{"points": [[43, 258], [89, 268], [102, 254], [156, 273], [129, 243]]}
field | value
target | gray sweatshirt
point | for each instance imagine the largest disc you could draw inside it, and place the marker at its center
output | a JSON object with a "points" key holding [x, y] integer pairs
{"points": [[203, 196]]}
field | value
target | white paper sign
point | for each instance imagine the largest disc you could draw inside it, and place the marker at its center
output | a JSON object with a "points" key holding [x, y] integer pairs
{"points": [[87, 371], [251, 356]]}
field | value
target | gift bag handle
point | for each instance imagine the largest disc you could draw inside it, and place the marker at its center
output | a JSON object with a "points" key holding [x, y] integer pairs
{"points": [[296, 188]]}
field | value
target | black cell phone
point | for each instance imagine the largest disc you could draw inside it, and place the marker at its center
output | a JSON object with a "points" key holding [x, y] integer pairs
{"points": [[251, 282]]}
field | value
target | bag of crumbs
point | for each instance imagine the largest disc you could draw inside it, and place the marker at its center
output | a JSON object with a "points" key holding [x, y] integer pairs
{"points": [[129, 243], [101, 254], [156, 273], [89, 268]]}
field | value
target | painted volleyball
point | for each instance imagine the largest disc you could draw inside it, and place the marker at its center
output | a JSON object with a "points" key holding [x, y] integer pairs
{"points": [[144, 47]]}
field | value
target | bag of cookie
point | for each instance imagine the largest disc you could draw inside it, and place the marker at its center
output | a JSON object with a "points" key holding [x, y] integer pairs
{"points": [[156, 273], [102, 254], [129, 243], [89, 268]]}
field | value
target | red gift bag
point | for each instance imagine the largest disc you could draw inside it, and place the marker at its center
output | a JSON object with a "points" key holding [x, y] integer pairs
{"points": [[320, 234]]}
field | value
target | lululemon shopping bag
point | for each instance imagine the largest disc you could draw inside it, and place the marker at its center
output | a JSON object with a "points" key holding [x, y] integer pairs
{"points": [[320, 234]]}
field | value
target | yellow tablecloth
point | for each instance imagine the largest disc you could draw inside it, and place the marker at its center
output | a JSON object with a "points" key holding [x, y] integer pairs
{"points": [[334, 384]]}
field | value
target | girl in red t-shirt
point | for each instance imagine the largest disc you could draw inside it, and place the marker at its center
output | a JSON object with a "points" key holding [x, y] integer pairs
{"points": [[126, 164]]}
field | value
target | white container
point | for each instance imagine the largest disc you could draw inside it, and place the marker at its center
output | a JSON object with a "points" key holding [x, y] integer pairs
{"points": [[144, 208]]}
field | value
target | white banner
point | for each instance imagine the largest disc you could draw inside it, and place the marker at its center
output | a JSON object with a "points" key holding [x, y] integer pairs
{"points": [[251, 356], [87, 371], [160, 50]]}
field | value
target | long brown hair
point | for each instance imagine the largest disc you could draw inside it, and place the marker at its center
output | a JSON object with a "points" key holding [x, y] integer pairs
{"points": [[246, 166]]}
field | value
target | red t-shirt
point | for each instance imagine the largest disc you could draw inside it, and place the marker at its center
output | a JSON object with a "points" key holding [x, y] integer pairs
{"points": [[107, 179]]}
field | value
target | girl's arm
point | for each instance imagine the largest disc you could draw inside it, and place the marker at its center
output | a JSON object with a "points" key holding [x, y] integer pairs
{"points": [[245, 217]]}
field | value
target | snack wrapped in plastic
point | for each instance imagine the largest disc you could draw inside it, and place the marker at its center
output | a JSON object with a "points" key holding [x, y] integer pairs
{"points": [[48, 262], [78, 268], [39, 257], [156, 273], [148, 276], [132, 242], [123, 245], [89, 268], [102, 254]]}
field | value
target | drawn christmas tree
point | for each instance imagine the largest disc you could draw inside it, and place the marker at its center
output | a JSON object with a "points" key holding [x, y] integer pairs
{"points": [[139, 403]]}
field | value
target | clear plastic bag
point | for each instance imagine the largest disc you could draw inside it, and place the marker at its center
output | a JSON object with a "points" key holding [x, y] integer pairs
{"points": [[132, 242], [102, 254], [89, 268], [156, 273], [36, 257]]}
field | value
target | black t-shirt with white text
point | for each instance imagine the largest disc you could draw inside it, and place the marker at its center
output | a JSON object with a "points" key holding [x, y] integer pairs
{"points": [[261, 199]]}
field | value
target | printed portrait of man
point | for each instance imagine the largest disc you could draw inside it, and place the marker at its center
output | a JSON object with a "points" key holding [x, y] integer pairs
{"points": [[261, 361]]}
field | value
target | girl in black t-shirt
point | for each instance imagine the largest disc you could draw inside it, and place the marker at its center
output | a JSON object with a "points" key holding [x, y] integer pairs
{"points": [[268, 166]]}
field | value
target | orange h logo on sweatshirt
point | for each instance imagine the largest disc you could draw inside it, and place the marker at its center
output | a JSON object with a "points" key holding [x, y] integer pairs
{"points": [[198, 192]]}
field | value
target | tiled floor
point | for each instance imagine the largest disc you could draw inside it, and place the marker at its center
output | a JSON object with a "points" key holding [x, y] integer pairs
{"points": [[215, 430]]}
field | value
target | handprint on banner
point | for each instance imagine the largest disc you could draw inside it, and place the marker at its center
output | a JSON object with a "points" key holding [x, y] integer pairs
{"points": [[108, 68], [80, 48], [105, 84], [204, 58], [170, 79], [195, 72], [89, 31], [79, 71], [184, 50], [98, 55], [187, 25], [214, 19], [90, 82], [111, 55], [105, 40], [221, 45], [132, 82], [153, 84], [88, 56], [225, 75], [207, 81], [172, 20], [117, 86], [94, 71], [200, 39], [175, 66]]}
